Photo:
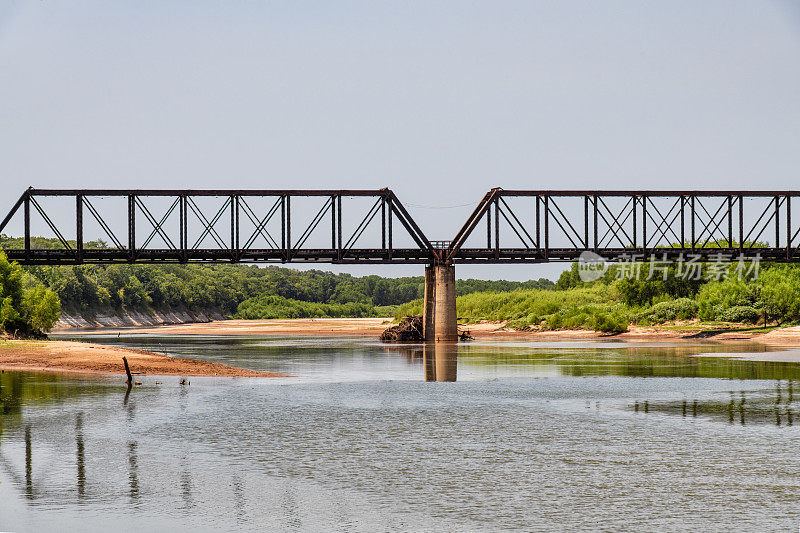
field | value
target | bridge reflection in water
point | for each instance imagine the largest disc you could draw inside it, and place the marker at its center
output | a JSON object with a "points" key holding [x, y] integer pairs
{"points": [[440, 360]]}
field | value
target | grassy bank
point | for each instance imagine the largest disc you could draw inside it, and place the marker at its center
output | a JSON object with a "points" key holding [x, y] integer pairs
{"points": [[612, 303], [581, 308]]}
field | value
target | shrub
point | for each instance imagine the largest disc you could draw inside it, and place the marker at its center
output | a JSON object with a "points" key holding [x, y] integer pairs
{"points": [[610, 323], [740, 313], [717, 296], [678, 309], [780, 292]]}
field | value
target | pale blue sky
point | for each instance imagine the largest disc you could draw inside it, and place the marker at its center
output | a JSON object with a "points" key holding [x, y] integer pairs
{"points": [[438, 100]]}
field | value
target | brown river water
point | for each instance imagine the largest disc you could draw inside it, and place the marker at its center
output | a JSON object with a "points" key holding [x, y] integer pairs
{"points": [[532, 436]]}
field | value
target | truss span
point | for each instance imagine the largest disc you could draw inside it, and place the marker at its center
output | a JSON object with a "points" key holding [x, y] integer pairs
{"points": [[373, 226]]}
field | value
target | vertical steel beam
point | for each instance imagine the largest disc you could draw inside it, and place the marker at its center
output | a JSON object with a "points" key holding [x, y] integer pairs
{"points": [[692, 206], [741, 224], [283, 226], [391, 246], [489, 226], [538, 223], [184, 232], [79, 228], [595, 222], [777, 223], [383, 222], [339, 229], [27, 223], [644, 225], [496, 229], [333, 221], [586, 222], [730, 222], [788, 226], [131, 227], [546, 226], [683, 221], [234, 228], [635, 226], [288, 227]]}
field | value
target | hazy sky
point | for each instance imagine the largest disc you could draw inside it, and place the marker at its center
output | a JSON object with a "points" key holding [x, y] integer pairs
{"points": [[439, 101]]}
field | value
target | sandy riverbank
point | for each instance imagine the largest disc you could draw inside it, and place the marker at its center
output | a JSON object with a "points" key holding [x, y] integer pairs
{"points": [[372, 327], [779, 336], [79, 357]]}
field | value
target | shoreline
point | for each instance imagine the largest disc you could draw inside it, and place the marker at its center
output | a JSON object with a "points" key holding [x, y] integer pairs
{"points": [[62, 356], [373, 327], [93, 359]]}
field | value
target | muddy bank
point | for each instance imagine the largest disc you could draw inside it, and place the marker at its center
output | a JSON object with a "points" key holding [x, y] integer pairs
{"points": [[79, 357], [300, 326], [131, 318]]}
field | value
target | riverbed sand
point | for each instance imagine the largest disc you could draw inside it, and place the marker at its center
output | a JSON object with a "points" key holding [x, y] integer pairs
{"points": [[372, 327], [80, 357], [94, 358]]}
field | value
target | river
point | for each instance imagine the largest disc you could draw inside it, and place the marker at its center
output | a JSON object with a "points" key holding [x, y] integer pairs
{"points": [[532, 436]]}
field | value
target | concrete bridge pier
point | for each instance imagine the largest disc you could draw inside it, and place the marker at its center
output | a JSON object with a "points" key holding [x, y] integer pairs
{"points": [[440, 323]]}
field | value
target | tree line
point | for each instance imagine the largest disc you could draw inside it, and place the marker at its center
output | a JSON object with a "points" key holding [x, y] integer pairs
{"points": [[245, 291]]}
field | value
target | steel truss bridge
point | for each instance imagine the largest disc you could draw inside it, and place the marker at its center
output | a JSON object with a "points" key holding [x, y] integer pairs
{"points": [[373, 226]]}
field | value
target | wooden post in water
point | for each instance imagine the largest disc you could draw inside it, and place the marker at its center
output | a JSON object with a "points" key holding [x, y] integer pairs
{"points": [[127, 370]]}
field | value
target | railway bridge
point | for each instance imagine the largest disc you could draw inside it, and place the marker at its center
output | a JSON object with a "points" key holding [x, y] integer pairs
{"points": [[108, 226]]}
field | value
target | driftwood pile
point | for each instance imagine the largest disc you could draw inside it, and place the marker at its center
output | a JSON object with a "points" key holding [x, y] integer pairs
{"points": [[408, 330]]}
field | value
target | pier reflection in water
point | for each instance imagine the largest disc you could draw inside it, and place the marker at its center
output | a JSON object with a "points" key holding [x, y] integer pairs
{"points": [[440, 360]]}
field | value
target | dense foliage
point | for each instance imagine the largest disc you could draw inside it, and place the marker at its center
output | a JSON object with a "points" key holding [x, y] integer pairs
{"points": [[591, 307], [264, 307], [26, 307]]}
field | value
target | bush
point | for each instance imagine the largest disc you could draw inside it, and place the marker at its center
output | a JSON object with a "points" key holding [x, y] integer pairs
{"points": [[780, 292], [678, 309], [740, 313], [717, 296], [610, 323]]}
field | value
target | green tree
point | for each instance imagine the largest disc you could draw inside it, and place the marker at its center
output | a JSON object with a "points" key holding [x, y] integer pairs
{"points": [[780, 293], [41, 308], [25, 310]]}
